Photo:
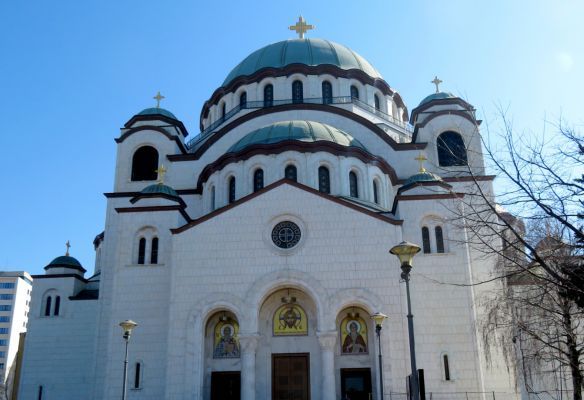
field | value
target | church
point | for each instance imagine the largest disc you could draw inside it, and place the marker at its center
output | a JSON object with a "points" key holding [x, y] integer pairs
{"points": [[253, 255]]}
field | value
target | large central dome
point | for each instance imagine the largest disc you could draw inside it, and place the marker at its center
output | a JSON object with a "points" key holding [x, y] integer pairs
{"points": [[301, 51]]}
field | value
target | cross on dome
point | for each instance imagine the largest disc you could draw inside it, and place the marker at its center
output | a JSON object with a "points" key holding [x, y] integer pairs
{"points": [[421, 158], [68, 246], [161, 171], [436, 82], [301, 27], [158, 97]]}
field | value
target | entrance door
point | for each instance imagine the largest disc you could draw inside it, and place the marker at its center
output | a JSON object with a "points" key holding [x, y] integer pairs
{"points": [[290, 377], [355, 384], [225, 385]]}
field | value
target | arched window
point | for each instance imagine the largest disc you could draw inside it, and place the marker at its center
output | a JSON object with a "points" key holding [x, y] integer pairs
{"points": [[223, 109], [327, 93], [154, 251], [231, 189], [297, 92], [426, 240], [375, 192], [439, 240], [57, 305], [324, 180], [354, 92], [258, 179], [268, 96], [142, 251], [212, 198], [243, 100], [353, 186], [138, 375], [145, 164], [290, 172], [377, 103], [451, 150], [48, 306], [446, 367]]}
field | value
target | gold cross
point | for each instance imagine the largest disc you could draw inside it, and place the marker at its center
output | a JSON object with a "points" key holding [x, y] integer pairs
{"points": [[161, 171], [301, 27], [436, 82], [68, 245], [158, 97], [421, 158]]}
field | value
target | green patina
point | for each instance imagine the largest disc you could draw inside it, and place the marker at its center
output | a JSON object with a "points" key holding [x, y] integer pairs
{"points": [[157, 111], [437, 96]]}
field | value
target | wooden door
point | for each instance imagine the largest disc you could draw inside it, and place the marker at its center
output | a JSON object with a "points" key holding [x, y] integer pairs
{"points": [[290, 377], [225, 385], [356, 384]]}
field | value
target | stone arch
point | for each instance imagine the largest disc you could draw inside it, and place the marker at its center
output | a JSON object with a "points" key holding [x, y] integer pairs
{"points": [[344, 298]]}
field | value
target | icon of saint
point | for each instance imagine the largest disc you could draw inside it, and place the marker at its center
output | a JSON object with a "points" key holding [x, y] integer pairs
{"points": [[227, 346], [354, 342]]}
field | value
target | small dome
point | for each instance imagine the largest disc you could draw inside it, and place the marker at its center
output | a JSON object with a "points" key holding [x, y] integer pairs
{"points": [[160, 188], [157, 111], [310, 52], [65, 262], [424, 176], [437, 96], [303, 131]]}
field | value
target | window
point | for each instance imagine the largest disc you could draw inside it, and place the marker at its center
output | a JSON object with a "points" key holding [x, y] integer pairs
{"points": [[375, 192], [324, 180], [446, 367], [3, 342], [231, 189], [258, 179], [5, 307], [40, 395], [426, 240], [145, 164], [439, 240], [290, 172], [1, 365], [327, 93], [154, 251], [4, 319], [212, 198], [5, 296], [451, 150], [377, 104], [48, 306], [138, 375], [297, 92], [268, 96], [354, 92], [3, 330], [7, 285], [57, 305], [2, 354], [142, 251], [353, 187], [243, 100], [223, 107]]}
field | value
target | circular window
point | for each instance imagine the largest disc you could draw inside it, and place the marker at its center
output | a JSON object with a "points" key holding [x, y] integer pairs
{"points": [[286, 234]]}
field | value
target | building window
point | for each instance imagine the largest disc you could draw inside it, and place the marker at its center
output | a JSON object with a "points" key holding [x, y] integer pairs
{"points": [[375, 192], [212, 198], [377, 103], [1, 365], [268, 96], [324, 180], [40, 393], [353, 186], [5, 307], [3, 331], [258, 179], [4, 319], [231, 189], [57, 305], [297, 92], [223, 109], [142, 251], [451, 150], [48, 306], [426, 240], [243, 100], [3, 342], [5, 296], [7, 285], [291, 173], [327, 93], [446, 367], [145, 164], [439, 239], [354, 92], [138, 375], [154, 251], [2, 354]]}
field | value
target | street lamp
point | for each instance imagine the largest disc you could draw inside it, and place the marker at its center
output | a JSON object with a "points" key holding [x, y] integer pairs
{"points": [[127, 327], [406, 251], [379, 318]]}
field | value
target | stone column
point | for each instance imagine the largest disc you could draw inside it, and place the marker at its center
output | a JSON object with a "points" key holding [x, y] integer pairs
{"points": [[248, 345], [328, 341]]}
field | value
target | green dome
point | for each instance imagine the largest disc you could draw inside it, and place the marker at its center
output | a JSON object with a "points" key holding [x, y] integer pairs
{"points": [[301, 51], [422, 177], [157, 111], [303, 131], [65, 262], [437, 96], [159, 188]]}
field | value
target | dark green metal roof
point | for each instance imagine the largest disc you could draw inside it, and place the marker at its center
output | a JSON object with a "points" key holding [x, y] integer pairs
{"points": [[422, 177], [303, 131], [437, 96], [65, 262], [157, 111], [160, 188], [301, 51]]}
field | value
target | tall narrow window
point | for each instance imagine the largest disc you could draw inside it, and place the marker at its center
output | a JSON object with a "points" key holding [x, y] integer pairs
{"points": [[154, 251], [243, 100], [375, 192], [353, 187], [451, 150], [324, 180], [297, 92], [258, 179], [57, 305], [223, 109], [40, 393], [354, 92], [48, 306], [268, 96], [377, 103], [446, 367], [145, 164], [290, 172], [141, 251], [231, 189], [137, 375], [212, 198], [439, 240], [426, 240], [327, 93]]}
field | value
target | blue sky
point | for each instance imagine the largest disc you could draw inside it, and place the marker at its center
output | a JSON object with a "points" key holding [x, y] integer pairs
{"points": [[73, 72]]}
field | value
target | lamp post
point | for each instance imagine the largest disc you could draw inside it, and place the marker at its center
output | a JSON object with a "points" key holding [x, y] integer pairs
{"points": [[127, 327], [379, 318], [406, 251]]}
